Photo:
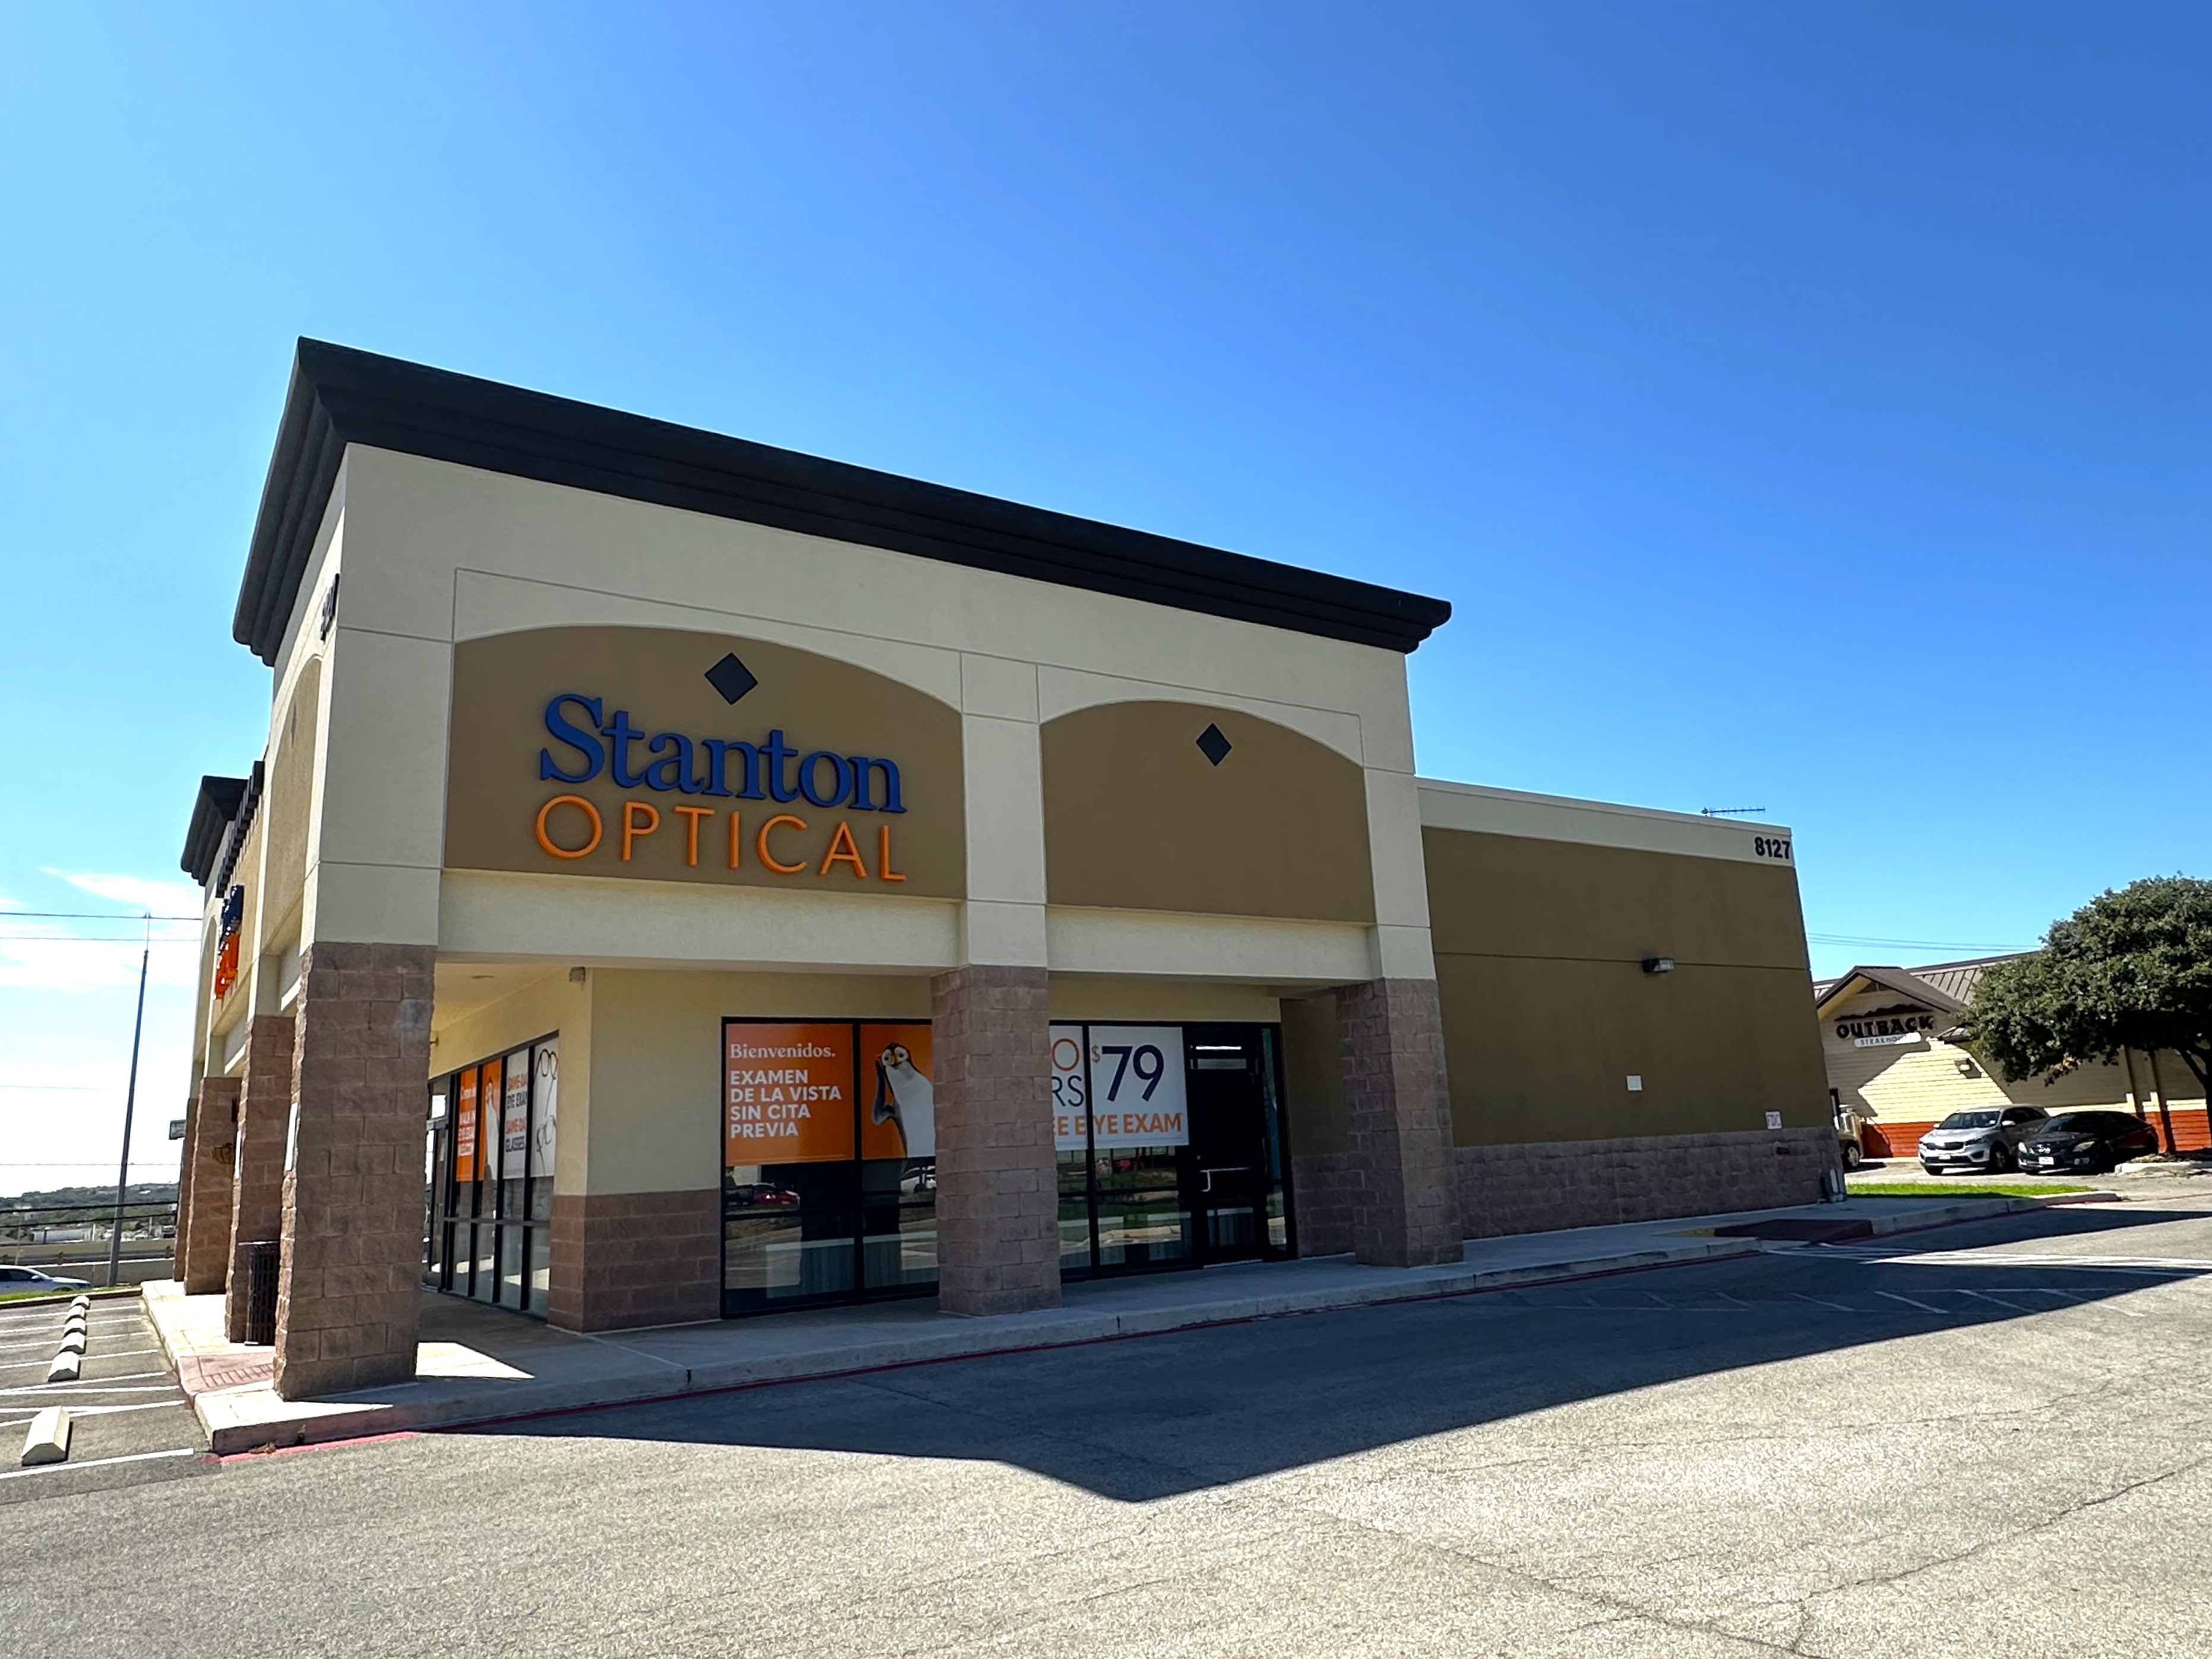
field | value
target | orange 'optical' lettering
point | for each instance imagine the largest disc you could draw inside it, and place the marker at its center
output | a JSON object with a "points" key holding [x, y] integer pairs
{"points": [[553, 847], [692, 814], [843, 851], [640, 818], [769, 859]]}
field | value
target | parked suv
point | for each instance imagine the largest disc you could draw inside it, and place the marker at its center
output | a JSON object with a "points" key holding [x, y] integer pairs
{"points": [[1987, 1140], [1851, 1136]]}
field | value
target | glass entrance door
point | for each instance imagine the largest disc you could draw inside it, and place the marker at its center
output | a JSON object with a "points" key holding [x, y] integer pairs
{"points": [[1170, 1147], [1233, 1174]]}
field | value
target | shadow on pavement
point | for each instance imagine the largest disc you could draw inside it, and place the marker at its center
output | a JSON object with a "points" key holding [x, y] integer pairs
{"points": [[1147, 1418]]}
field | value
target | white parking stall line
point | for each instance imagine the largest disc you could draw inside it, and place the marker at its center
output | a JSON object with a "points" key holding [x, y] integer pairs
{"points": [[98, 1411], [78, 1390], [1841, 1307], [1997, 1301], [95, 1352], [2122, 1264], [97, 1463], [127, 1376], [1925, 1307]]}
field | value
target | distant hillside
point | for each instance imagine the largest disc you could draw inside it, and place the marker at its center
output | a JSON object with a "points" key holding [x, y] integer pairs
{"points": [[139, 1192]]}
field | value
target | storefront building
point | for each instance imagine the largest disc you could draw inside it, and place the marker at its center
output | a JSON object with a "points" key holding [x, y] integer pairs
{"points": [[1896, 1060], [687, 879]]}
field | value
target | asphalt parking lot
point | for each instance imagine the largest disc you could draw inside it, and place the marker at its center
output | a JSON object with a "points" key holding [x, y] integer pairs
{"points": [[131, 1421], [1977, 1440]]}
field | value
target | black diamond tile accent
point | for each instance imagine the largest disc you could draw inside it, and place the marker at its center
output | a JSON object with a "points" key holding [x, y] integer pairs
{"points": [[1214, 746], [730, 678]]}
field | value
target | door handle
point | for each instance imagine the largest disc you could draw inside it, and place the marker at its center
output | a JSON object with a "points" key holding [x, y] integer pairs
{"points": [[1220, 1168]]}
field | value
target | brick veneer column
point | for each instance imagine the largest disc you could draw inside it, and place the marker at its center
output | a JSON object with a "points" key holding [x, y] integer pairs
{"points": [[256, 1187], [623, 1260], [1400, 1180], [998, 1197], [204, 1243], [349, 1300]]}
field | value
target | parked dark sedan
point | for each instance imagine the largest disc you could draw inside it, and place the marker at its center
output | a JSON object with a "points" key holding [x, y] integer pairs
{"points": [[2088, 1140]]}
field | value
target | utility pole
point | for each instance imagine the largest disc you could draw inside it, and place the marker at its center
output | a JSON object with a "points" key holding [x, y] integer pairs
{"points": [[130, 1105]]}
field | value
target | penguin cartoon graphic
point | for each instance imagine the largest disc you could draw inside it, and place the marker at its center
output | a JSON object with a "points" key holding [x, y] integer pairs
{"points": [[544, 1136], [904, 1096]]}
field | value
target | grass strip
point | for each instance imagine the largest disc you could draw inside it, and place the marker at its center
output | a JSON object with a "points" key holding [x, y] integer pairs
{"points": [[1996, 1189]]}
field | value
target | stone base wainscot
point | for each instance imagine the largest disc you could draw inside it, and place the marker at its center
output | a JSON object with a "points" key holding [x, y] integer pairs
{"points": [[1536, 1187]]}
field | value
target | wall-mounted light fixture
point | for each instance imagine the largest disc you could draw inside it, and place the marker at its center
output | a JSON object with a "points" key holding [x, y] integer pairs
{"points": [[1966, 1066], [1658, 965]]}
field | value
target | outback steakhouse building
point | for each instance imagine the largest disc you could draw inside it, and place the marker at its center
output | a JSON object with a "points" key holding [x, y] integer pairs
{"points": [[687, 879]]}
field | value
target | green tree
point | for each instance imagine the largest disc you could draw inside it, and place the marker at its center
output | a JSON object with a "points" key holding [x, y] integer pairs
{"points": [[2128, 969]]}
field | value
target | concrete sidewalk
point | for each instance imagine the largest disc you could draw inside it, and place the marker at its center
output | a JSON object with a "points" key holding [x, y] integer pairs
{"points": [[478, 1363]]}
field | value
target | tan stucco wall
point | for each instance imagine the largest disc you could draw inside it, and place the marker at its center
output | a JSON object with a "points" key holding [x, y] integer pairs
{"points": [[1137, 819], [1165, 1001], [434, 554], [1547, 1011], [1313, 1077], [287, 810], [547, 1005], [654, 1120]]}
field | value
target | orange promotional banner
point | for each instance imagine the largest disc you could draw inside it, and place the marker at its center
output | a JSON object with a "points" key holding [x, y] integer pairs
{"points": [[465, 1128], [488, 1098], [787, 1093], [898, 1117]]}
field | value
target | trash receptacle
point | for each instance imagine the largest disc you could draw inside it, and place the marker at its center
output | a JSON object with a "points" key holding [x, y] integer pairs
{"points": [[261, 1291]]}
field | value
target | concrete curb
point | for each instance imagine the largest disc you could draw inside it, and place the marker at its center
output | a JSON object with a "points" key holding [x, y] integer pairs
{"points": [[48, 1441], [231, 1430], [245, 1419], [65, 1368]]}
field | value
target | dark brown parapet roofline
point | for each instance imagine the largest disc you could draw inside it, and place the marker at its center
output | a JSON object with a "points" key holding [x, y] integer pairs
{"points": [[340, 396]]}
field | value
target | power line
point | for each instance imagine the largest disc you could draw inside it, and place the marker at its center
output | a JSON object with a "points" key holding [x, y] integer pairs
{"points": [[69, 1088], [6, 938], [1913, 944], [92, 915]]}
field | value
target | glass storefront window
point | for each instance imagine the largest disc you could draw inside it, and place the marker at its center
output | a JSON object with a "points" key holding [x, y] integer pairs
{"points": [[829, 1162], [492, 1134], [1171, 1144]]}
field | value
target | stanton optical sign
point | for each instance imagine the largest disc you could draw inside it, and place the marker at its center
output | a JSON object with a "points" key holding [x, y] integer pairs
{"points": [[595, 742], [652, 755]]}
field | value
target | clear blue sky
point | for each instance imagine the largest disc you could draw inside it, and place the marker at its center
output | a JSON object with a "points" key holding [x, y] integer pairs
{"points": [[1804, 406]]}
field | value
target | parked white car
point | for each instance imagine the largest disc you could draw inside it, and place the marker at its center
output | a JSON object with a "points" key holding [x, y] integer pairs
{"points": [[1988, 1140], [17, 1280]]}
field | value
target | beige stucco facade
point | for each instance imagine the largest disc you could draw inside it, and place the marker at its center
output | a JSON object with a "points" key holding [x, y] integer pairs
{"points": [[1148, 786]]}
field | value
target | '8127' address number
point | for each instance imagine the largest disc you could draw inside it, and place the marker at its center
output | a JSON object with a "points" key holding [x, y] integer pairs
{"points": [[1771, 846]]}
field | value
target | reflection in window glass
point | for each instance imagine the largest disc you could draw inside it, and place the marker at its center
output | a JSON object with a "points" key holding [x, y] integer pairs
{"points": [[1140, 1228], [510, 1266], [830, 1165], [491, 1206]]}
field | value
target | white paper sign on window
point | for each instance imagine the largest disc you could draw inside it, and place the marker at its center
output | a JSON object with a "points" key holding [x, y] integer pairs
{"points": [[1068, 1101], [514, 1117], [1132, 1092], [544, 1136]]}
